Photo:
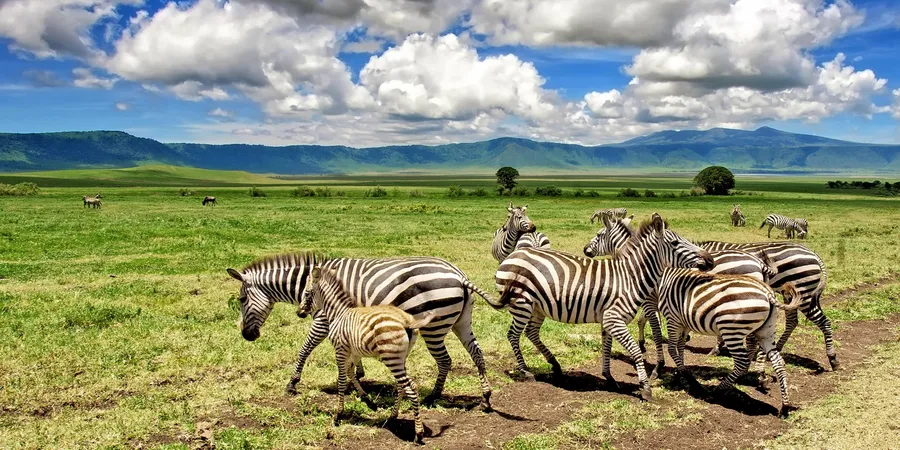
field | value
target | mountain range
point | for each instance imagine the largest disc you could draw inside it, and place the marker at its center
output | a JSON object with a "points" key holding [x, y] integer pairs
{"points": [[761, 150]]}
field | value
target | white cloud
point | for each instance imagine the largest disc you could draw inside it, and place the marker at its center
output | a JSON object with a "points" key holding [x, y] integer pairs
{"points": [[222, 113], [896, 107], [122, 106], [85, 78], [43, 78], [364, 46], [605, 104], [194, 91]]}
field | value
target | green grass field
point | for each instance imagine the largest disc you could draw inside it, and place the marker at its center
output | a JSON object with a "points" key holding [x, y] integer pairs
{"points": [[116, 325]]}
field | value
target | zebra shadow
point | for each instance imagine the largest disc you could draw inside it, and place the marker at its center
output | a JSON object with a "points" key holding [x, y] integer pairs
{"points": [[403, 429], [578, 381], [801, 361], [732, 399]]}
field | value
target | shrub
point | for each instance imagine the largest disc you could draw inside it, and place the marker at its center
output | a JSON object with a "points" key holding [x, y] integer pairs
{"points": [[376, 192], [593, 194], [455, 191], [340, 193], [548, 191], [19, 190], [502, 190], [395, 192], [256, 192], [628, 192], [697, 191], [715, 180], [478, 192], [578, 193], [324, 192], [185, 192], [649, 193], [303, 191], [520, 191], [667, 195], [684, 194], [415, 193]]}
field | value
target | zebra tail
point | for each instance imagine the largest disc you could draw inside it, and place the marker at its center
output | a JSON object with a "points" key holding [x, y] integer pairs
{"points": [[769, 268], [416, 324], [496, 304], [822, 280], [788, 290], [762, 224]]}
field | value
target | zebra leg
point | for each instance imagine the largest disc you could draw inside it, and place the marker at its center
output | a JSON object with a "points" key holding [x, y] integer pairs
{"points": [[756, 364], [533, 331], [813, 312], [434, 340], [778, 365], [735, 344], [790, 322], [770, 231], [616, 322], [343, 364], [606, 356], [521, 311], [676, 341], [317, 333], [641, 323], [397, 366], [463, 330], [359, 389], [651, 314]]}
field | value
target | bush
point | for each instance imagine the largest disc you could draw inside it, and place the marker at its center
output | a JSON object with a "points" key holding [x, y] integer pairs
{"points": [[628, 192], [593, 194], [256, 192], [520, 191], [19, 190], [479, 192], [303, 191], [395, 192], [340, 193], [578, 193], [415, 193], [697, 191], [185, 192], [649, 193], [667, 195], [455, 191], [548, 191], [715, 180], [376, 192], [324, 192]]}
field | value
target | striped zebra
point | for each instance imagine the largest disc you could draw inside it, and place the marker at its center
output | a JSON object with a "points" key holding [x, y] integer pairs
{"points": [[91, 202], [543, 283], [790, 226], [616, 233], [384, 332], [518, 232], [735, 308], [737, 217], [613, 213], [802, 268], [417, 285]]}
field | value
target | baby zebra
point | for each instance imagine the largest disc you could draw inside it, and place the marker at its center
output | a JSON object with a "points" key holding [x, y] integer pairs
{"points": [[731, 307], [612, 213], [384, 332], [790, 226], [210, 200], [737, 217]]}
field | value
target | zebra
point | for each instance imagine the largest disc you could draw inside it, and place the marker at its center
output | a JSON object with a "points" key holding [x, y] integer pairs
{"points": [[802, 268], [417, 285], [518, 232], [732, 307], [385, 332], [737, 217], [617, 213], [92, 202], [544, 283], [790, 226], [210, 200], [729, 262]]}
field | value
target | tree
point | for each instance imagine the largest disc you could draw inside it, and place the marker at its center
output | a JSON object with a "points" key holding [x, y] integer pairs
{"points": [[506, 178], [715, 180]]}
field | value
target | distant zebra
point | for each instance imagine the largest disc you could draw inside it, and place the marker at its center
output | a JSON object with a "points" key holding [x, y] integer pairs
{"points": [[613, 213], [518, 232], [92, 202], [790, 226], [385, 332], [417, 285], [734, 308], [210, 200], [737, 217], [543, 283]]}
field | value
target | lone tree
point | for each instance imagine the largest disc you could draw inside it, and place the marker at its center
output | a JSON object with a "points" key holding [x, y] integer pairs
{"points": [[506, 178], [715, 180]]}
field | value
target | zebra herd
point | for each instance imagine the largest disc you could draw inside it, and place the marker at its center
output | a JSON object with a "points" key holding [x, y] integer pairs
{"points": [[92, 202], [373, 307], [791, 227]]}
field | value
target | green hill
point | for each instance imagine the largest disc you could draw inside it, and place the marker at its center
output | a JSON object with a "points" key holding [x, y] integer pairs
{"points": [[761, 150]]}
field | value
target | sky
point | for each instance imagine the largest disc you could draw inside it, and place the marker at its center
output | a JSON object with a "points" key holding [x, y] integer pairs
{"points": [[377, 72]]}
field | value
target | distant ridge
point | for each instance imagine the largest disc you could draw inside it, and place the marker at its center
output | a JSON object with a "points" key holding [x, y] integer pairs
{"points": [[762, 150]]}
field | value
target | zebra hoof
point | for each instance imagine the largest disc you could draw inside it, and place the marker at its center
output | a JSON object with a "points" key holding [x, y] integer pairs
{"points": [[785, 409], [419, 436], [646, 393], [557, 371], [291, 388], [835, 365], [611, 382], [429, 401], [642, 346], [521, 375], [486, 402]]}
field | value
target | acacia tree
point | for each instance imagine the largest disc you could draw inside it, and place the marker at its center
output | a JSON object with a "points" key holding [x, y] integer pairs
{"points": [[715, 180], [506, 179]]}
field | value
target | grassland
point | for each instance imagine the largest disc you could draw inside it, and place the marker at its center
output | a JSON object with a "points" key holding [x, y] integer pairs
{"points": [[117, 330]]}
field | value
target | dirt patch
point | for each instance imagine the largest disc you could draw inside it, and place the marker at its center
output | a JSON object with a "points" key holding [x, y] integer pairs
{"points": [[861, 289]]}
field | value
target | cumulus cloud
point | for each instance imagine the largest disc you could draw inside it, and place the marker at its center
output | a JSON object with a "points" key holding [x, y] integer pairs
{"points": [[43, 78], [221, 113], [364, 46], [122, 106], [85, 78]]}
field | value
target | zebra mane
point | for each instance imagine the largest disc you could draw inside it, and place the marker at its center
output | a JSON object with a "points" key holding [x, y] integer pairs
{"points": [[329, 277], [285, 260], [646, 227]]}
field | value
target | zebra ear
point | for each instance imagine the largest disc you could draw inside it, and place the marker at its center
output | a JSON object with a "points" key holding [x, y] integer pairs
{"points": [[658, 222], [315, 273], [235, 274], [606, 221], [524, 207], [509, 208]]}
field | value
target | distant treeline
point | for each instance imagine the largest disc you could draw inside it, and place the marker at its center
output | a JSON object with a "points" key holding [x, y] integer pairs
{"points": [[863, 185]]}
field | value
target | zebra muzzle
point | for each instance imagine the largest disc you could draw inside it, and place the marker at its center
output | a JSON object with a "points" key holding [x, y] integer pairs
{"points": [[250, 334]]}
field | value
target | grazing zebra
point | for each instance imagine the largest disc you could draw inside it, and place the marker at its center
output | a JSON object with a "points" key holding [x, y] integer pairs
{"points": [[543, 283], [737, 217], [417, 285], [801, 267], [728, 262], [518, 232], [210, 200], [92, 202], [613, 213], [732, 307], [385, 332], [790, 226]]}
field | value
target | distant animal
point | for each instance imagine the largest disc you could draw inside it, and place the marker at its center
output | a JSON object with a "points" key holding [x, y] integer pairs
{"points": [[98, 195], [790, 226], [385, 332], [92, 202], [612, 213], [209, 200], [737, 217], [518, 232]]}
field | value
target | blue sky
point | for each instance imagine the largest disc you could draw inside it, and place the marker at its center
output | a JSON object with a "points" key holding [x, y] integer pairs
{"points": [[267, 71]]}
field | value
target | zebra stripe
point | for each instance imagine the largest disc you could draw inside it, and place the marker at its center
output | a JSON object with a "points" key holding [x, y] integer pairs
{"points": [[613, 213], [790, 226], [417, 285], [734, 308], [384, 332], [518, 232], [543, 283]]}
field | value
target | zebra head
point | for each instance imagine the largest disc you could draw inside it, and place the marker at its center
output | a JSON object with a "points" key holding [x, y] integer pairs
{"points": [[323, 286], [517, 220], [255, 305], [672, 249], [610, 238]]}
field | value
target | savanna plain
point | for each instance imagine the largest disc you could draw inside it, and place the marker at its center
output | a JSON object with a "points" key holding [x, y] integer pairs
{"points": [[118, 325]]}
